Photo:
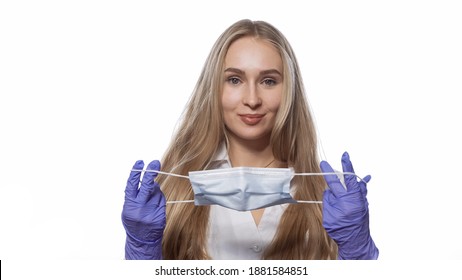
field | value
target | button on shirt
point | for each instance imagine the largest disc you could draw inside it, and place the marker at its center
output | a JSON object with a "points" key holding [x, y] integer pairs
{"points": [[233, 234]]}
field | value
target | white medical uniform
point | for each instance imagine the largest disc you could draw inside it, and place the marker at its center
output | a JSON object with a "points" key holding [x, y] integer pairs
{"points": [[233, 234]]}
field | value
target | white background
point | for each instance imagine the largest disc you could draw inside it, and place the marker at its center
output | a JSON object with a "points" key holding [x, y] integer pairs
{"points": [[89, 87]]}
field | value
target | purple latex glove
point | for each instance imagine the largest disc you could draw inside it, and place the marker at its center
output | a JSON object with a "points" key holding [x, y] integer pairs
{"points": [[143, 214], [346, 213]]}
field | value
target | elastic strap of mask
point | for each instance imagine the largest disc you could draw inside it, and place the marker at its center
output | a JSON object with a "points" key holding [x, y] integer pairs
{"points": [[295, 174], [169, 174], [161, 172], [329, 173], [179, 201], [298, 201]]}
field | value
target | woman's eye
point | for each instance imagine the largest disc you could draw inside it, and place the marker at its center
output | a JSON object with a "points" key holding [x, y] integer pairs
{"points": [[234, 80], [269, 82]]}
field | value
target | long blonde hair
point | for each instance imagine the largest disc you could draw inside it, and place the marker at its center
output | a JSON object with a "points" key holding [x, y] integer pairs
{"points": [[201, 132]]}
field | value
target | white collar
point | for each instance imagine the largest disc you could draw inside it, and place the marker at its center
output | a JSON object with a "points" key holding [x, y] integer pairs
{"points": [[220, 158]]}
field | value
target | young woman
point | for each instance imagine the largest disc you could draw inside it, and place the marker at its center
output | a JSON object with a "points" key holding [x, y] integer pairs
{"points": [[248, 109]]}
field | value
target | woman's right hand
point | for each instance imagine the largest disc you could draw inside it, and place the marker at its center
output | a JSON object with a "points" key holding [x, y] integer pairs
{"points": [[143, 214]]}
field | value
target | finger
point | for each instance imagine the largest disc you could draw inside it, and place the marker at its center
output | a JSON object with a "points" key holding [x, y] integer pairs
{"points": [[332, 180], [350, 180], [367, 179], [363, 185], [134, 180], [148, 184], [327, 197]]}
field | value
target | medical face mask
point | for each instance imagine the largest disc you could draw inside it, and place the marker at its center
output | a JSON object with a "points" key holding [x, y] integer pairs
{"points": [[242, 188]]}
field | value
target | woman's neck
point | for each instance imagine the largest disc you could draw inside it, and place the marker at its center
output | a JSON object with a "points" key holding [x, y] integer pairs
{"points": [[251, 153]]}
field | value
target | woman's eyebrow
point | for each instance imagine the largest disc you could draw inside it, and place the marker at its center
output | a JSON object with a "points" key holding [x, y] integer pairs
{"points": [[234, 70], [264, 72], [270, 71]]}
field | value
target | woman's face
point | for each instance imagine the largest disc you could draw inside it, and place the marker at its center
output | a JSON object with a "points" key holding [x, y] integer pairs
{"points": [[252, 89]]}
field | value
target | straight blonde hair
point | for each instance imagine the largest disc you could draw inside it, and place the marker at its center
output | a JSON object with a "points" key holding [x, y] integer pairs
{"points": [[300, 234]]}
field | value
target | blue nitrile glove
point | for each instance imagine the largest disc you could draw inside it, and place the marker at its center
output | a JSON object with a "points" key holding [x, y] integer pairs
{"points": [[346, 213], [143, 214]]}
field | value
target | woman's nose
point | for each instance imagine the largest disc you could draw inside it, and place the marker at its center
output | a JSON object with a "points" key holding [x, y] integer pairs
{"points": [[252, 97]]}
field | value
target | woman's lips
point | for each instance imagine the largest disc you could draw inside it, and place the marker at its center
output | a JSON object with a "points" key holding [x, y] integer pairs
{"points": [[251, 119]]}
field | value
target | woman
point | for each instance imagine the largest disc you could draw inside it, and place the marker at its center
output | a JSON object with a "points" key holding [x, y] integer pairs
{"points": [[248, 109]]}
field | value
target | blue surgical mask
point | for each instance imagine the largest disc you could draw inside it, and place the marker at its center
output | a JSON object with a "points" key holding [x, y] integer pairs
{"points": [[242, 188]]}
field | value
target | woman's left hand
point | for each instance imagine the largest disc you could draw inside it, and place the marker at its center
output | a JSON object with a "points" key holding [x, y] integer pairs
{"points": [[346, 213]]}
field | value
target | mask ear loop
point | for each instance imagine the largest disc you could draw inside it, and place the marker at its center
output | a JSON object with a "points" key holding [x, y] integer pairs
{"points": [[322, 174], [169, 174], [330, 173], [161, 172], [295, 174]]}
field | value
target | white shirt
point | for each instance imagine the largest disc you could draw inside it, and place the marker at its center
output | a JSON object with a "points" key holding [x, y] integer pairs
{"points": [[233, 234]]}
